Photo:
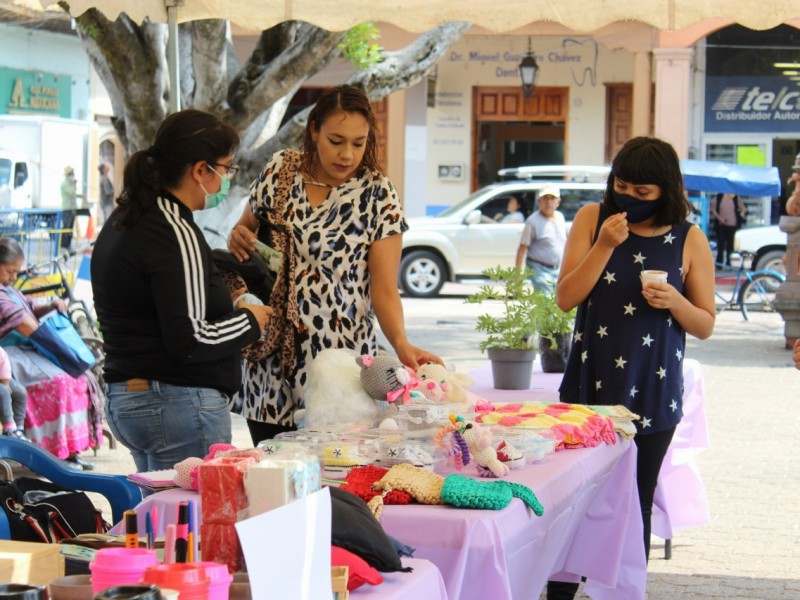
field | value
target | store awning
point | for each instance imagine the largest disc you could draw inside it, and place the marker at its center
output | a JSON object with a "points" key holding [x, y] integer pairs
{"points": [[712, 176], [422, 15]]}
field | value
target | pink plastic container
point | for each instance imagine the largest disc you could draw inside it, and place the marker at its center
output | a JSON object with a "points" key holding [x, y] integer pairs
{"points": [[220, 585], [120, 566], [190, 579]]}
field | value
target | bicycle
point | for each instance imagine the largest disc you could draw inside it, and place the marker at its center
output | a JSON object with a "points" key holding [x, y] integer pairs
{"points": [[54, 278], [753, 291]]}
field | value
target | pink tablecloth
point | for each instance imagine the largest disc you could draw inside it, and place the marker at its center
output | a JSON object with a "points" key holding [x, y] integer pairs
{"points": [[591, 526], [424, 583], [680, 500]]}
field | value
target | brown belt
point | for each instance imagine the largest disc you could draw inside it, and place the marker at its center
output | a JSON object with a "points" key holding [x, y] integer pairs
{"points": [[138, 385]]}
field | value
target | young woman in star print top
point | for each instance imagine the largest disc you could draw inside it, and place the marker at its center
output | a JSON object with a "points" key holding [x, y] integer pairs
{"points": [[629, 339]]}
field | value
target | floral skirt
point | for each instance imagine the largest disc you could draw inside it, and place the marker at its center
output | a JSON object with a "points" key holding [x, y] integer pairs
{"points": [[64, 415]]}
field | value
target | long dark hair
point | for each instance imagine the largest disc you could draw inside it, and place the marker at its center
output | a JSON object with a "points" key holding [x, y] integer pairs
{"points": [[10, 250], [651, 161], [349, 99], [183, 139]]}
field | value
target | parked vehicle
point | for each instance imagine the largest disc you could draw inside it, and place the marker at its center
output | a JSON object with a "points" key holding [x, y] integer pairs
{"points": [[464, 240], [767, 245], [33, 154]]}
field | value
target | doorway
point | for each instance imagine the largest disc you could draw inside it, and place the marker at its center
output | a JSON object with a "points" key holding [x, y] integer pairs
{"points": [[512, 131]]}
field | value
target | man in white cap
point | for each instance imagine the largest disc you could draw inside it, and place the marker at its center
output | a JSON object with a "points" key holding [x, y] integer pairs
{"points": [[543, 238]]}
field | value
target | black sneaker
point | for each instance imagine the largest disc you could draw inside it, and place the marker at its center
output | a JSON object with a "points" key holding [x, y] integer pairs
{"points": [[16, 433], [85, 465]]}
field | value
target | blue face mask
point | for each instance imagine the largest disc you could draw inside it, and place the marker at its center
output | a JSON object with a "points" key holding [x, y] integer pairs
{"points": [[217, 198], [637, 210]]}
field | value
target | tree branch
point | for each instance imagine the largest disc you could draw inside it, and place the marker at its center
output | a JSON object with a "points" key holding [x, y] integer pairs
{"points": [[399, 70], [286, 55], [209, 59], [130, 61]]}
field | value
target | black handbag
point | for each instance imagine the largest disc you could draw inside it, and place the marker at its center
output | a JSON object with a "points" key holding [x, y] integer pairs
{"points": [[257, 277], [53, 514]]}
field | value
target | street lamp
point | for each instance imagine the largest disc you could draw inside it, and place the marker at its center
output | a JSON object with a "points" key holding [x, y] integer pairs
{"points": [[528, 70]]}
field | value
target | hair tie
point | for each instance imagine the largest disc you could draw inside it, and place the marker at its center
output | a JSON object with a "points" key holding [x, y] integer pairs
{"points": [[152, 152]]}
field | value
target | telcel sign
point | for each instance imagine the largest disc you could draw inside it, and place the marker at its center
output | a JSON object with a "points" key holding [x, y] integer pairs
{"points": [[747, 104]]}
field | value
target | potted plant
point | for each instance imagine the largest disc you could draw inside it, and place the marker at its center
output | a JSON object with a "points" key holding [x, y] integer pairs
{"points": [[554, 327], [510, 336]]}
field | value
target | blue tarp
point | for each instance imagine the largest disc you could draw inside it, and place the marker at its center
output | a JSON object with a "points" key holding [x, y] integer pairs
{"points": [[712, 176]]}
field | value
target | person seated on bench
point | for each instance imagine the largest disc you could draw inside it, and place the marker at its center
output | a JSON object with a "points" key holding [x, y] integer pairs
{"points": [[63, 412]]}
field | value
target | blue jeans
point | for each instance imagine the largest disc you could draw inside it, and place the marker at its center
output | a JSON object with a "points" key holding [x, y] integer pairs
{"points": [[544, 278], [13, 404], [167, 423]]}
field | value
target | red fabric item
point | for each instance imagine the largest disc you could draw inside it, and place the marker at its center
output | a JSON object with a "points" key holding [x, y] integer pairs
{"points": [[221, 545], [358, 571], [359, 482], [221, 484]]}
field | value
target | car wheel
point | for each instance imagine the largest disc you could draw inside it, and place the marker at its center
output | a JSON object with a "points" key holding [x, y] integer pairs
{"points": [[771, 260], [422, 274]]}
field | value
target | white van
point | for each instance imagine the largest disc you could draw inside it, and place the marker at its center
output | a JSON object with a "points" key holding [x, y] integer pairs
{"points": [[463, 240], [16, 182]]}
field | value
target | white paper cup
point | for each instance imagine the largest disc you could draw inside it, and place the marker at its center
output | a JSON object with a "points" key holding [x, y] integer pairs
{"points": [[653, 277]]}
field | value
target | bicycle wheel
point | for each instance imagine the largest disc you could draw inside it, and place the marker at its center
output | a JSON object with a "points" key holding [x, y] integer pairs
{"points": [[758, 295]]}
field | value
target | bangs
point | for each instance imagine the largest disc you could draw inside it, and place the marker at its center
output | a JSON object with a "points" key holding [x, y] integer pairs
{"points": [[640, 168]]}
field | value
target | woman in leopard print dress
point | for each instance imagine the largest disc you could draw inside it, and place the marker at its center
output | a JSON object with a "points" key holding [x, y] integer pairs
{"points": [[344, 221]]}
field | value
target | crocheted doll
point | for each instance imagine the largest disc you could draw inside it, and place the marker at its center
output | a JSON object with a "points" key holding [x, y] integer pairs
{"points": [[454, 384], [449, 441], [333, 392], [384, 377], [483, 452]]}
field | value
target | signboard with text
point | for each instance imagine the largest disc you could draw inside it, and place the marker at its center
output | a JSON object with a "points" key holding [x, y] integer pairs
{"points": [[752, 105], [34, 93]]}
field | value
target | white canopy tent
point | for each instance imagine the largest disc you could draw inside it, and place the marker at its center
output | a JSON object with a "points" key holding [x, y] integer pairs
{"points": [[422, 15]]}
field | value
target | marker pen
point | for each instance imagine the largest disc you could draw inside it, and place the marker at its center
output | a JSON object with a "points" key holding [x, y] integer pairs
{"points": [[194, 527], [131, 529], [169, 544], [182, 533], [148, 529]]}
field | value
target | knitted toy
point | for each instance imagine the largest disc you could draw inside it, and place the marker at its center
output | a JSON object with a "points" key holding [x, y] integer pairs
{"points": [[465, 492], [433, 391], [481, 449], [384, 377], [333, 392], [449, 440], [454, 384]]}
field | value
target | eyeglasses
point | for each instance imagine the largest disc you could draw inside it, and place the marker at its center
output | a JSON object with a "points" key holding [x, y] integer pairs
{"points": [[232, 169]]}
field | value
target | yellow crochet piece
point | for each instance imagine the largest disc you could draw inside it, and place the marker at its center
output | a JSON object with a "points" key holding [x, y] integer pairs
{"points": [[423, 485]]}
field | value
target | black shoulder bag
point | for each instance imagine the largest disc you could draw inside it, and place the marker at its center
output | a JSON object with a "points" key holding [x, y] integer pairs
{"points": [[51, 515]]}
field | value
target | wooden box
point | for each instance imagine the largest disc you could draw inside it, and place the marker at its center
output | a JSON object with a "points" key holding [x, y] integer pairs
{"points": [[30, 562], [339, 577]]}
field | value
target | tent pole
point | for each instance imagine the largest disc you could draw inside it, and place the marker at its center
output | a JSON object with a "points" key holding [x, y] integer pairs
{"points": [[173, 62]]}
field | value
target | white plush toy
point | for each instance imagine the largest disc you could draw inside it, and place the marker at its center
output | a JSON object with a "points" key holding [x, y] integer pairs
{"points": [[454, 384], [333, 392]]}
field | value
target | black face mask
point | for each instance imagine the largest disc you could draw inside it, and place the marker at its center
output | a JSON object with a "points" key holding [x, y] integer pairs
{"points": [[637, 210]]}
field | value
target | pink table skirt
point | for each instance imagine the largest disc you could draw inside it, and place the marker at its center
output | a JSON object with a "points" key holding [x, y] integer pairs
{"points": [[680, 500], [424, 583], [591, 526]]}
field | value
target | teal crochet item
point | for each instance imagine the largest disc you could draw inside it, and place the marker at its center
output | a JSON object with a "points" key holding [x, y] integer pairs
{"points": [[466, 492]]}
